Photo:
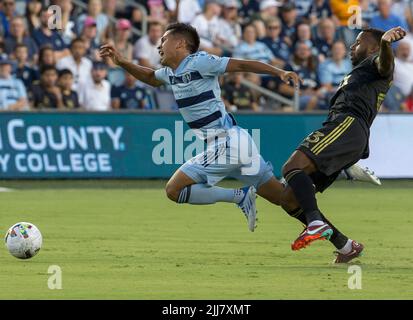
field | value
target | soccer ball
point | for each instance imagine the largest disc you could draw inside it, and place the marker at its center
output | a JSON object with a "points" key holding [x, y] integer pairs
{"points": [[23, 240]]}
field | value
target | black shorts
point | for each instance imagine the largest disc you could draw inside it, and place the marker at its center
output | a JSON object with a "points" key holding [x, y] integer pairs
{"points": [[336, 146]]}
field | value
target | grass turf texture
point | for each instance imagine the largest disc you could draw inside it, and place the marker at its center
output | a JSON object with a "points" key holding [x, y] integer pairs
{"points": [[125, 240]]}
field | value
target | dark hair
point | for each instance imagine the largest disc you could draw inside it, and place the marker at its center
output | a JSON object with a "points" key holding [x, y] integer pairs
{"points": [[64, 72], [78, 39], [188, 32], [46, 68], [20, 45], [154, 24], [43, 49], [376, 34]]}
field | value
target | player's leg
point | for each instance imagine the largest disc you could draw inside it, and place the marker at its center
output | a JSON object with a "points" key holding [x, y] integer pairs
{"points": [[183, 189], [275, 192], [195, 181], [358, 173], [315, 165], [297, 171]]}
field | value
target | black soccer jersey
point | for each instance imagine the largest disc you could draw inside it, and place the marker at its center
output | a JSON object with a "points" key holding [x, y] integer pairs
{"points": [[361, 92]]}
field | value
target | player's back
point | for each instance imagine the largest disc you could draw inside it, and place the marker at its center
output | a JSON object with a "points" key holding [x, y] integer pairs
{"points": [[361, 92]]}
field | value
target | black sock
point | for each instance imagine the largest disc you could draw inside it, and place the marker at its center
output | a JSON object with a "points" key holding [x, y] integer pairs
{"points": [[338, 239], [298, 214], [304, 191]]}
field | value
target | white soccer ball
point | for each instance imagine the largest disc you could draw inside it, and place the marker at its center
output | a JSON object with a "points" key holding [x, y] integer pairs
{"points": [[23, 240]]}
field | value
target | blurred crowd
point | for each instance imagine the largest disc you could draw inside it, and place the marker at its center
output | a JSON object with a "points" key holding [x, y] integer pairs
{"points": [[51, 61]]}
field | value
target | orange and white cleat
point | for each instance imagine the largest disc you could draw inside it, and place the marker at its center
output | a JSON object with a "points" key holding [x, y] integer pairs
{"points": [[311, 234]]}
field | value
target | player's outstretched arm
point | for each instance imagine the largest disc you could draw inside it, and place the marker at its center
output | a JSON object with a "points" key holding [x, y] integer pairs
{"points": [[240, 65], [385, 62], [141, 73]]}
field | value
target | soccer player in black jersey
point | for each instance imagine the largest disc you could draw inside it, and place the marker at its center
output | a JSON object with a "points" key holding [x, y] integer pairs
{"points": [[342, 141]]}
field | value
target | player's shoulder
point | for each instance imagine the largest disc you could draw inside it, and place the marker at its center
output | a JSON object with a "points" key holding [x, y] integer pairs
{"points": [[201, 56]]}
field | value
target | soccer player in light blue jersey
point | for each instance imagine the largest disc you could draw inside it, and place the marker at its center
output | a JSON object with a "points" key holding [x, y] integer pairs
{"points": [[230, 150]]}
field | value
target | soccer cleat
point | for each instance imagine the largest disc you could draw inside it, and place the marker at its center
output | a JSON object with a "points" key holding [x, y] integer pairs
{"points": [[248, 207], [310, 234], [356, 251], [358, 173]]}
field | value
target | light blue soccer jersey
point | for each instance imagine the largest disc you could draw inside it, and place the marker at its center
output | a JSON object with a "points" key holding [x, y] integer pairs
{"points": [[197, 92]]}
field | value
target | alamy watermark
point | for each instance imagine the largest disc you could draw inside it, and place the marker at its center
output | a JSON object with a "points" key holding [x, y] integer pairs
{"points": [[54, 282], [55, 21], [355, 280], [234, 146]]}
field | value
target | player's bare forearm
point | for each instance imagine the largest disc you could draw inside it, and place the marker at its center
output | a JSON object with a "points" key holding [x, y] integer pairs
{"points": [[240, 65], [141, 73], [386, 58], [385, 61]]}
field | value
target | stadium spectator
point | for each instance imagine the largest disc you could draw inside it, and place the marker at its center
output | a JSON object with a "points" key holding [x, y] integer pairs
{"points": [[230, 30], [248, 10], [13, 94], [237, 96], [44, 35], [273, 41], [207, 25], [401, 9], [17, 36], [303, 8], [385, 20], [23, 70], [289, 22], [188, 10], [402, 86], [304, 64], [252, 49], [45, 94], [77, 63], [332, 71], [129, 95], [68, 25], [65, 83], [304, 35], [368, 11], [135, 16], [89, 38], [326, 34], [94, 94], [33, 13], [268, 9], [94, 10], [110, 7], [121, 39], [7, 12], [345, 11], [318, 10], [145, 49], [157, 11], [46, 56]]}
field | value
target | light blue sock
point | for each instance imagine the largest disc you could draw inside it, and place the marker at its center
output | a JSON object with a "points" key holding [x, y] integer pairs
{"points": [[204, 194]]}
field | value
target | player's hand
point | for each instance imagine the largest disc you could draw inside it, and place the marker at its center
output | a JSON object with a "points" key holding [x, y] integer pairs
{"points": [[109, 51], [394, 34], [288, 76]]}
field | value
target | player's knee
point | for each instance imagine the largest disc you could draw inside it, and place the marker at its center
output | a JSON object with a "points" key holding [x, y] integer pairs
{"points": [[287, 167], [172, 192]]}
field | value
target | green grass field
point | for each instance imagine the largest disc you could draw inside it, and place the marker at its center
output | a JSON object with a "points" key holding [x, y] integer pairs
{"points": [[125, 240]]}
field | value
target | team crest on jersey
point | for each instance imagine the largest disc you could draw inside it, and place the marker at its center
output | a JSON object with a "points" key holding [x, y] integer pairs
{"points": [[186, 77]]}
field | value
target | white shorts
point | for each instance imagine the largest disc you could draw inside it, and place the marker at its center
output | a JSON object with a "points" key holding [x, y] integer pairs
{"points": [[234, 155]]}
